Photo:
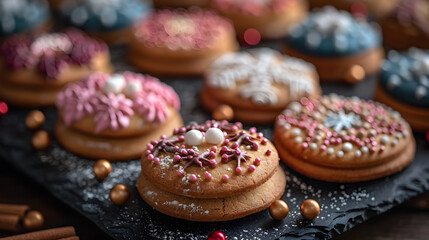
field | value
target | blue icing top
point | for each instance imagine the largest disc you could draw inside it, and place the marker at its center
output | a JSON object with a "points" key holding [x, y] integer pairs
{"points": [[102, 15], [405, 76], [328, 32], [17, 16]]}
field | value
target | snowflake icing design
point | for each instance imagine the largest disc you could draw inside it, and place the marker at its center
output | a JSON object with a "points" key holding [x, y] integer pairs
{"points": [[260, 69], [341, 120]]}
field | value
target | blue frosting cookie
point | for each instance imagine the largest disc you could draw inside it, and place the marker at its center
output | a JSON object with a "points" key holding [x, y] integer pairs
{"points": [[405, 76], [18, 16], [328, 32], [102, 15]]}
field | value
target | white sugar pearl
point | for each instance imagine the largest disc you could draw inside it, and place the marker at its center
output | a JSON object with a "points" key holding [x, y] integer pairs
{"points": [[364, 149], [384, 139], [347, 147], [330, 150], [394, 142], [296, 131], [214, 136], [132, 88], [114, 84], [298, 139], [295, 107], [340, 154], [193, 138], [313, 145], [358, 153]]}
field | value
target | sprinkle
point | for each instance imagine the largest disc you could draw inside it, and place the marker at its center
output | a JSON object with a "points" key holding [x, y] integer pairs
{"points": [[257, 161], [340, 154], [192, 178], [298, 139], [295, 131], [347, 147], [225, 178], [238, 170], [252, 130], [304, 145], [150, 157], [180, 172], [268, 152], [208, 175], [313, 146], [264, 141], [358, 153], [384, 139], [364, 149], [252, 168], [156, 160], [330, 150]]}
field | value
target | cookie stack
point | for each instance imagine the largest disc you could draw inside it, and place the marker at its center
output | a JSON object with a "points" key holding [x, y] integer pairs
{"points": [[211, 172]]}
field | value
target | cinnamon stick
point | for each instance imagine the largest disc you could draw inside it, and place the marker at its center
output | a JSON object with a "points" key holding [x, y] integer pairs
{"points": [[9, 222], [70, 238], [14, 209], [49, 234]]}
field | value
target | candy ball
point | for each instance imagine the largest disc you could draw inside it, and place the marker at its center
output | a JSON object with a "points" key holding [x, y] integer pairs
{"points": [[34, 119], [279, 210], [133, 88], [102, 169], [214, 136], [310, 209], [114, 84], [33, 220], [119, 194], [193, 138]]}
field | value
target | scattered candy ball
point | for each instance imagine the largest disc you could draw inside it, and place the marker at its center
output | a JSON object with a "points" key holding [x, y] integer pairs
{"points": [[41, 140], [34, 120], [3, 108], [114, 84], [132, 88], [119, 194], [251, 36], [310, 209], [216, 235], [279, 210], [223, 112], [355, 74], [102, 169], [214, 136], [33, 220], [193, 138]]}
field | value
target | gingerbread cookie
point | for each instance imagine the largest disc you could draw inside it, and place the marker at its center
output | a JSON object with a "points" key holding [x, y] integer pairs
{"points": [[114, 116], [109, 20], [271, 18], [35, 68], [211, 168], [180, 4], [339, 139], [258, 84], [404, 85], [377, 9], [407, 26], [336, 44], [19, 16], [180, 42]]}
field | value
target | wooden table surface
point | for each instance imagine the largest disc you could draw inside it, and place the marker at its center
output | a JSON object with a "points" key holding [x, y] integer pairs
{"points": [[404, 222]]}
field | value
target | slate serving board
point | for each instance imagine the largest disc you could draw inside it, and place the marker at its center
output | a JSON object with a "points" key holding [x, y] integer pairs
{"points": [[70, 179]]}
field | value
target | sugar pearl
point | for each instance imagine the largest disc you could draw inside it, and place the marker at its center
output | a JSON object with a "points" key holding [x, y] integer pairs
{"points": [[298, 139], [347, 147], [394, 142], [225, 178], [296, 131], [364, 149], [193, 138], [358, 153], [313, 145], [330, 150], [340, 154], [214, 136], [295, 106], [384, 139], [114, 84], [132, 88]]}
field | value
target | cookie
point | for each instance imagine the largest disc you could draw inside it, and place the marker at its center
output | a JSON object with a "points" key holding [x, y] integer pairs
{"points": [[404, 85], [377, 9], [271, 18], [180, 4], [213, 209], [20, 16], [336, 43], [114, 116], [407, 26], [338, 139], [34, 68], [180, 42], [108, 20], [257, 84], [216, 166]]}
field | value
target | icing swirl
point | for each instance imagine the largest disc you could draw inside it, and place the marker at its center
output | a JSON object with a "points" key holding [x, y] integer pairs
{"points": [[96, 95]]}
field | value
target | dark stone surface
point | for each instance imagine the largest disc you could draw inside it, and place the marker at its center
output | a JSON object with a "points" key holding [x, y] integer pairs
{"points": [[71, 180]]}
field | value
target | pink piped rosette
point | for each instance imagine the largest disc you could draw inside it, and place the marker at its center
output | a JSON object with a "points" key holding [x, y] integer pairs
{"points": [[113, 99]]}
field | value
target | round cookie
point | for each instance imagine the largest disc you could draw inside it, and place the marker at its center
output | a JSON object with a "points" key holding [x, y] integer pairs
{"points": [[339, 139], [258, 84], [34, 68], [180, 42], [213, 209], [180, 4], [404, 85], [378, 9], [336, 44], [237, 162], [271, 18], [19, 16], [407, 26], [114, 116], [109, 20]]}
